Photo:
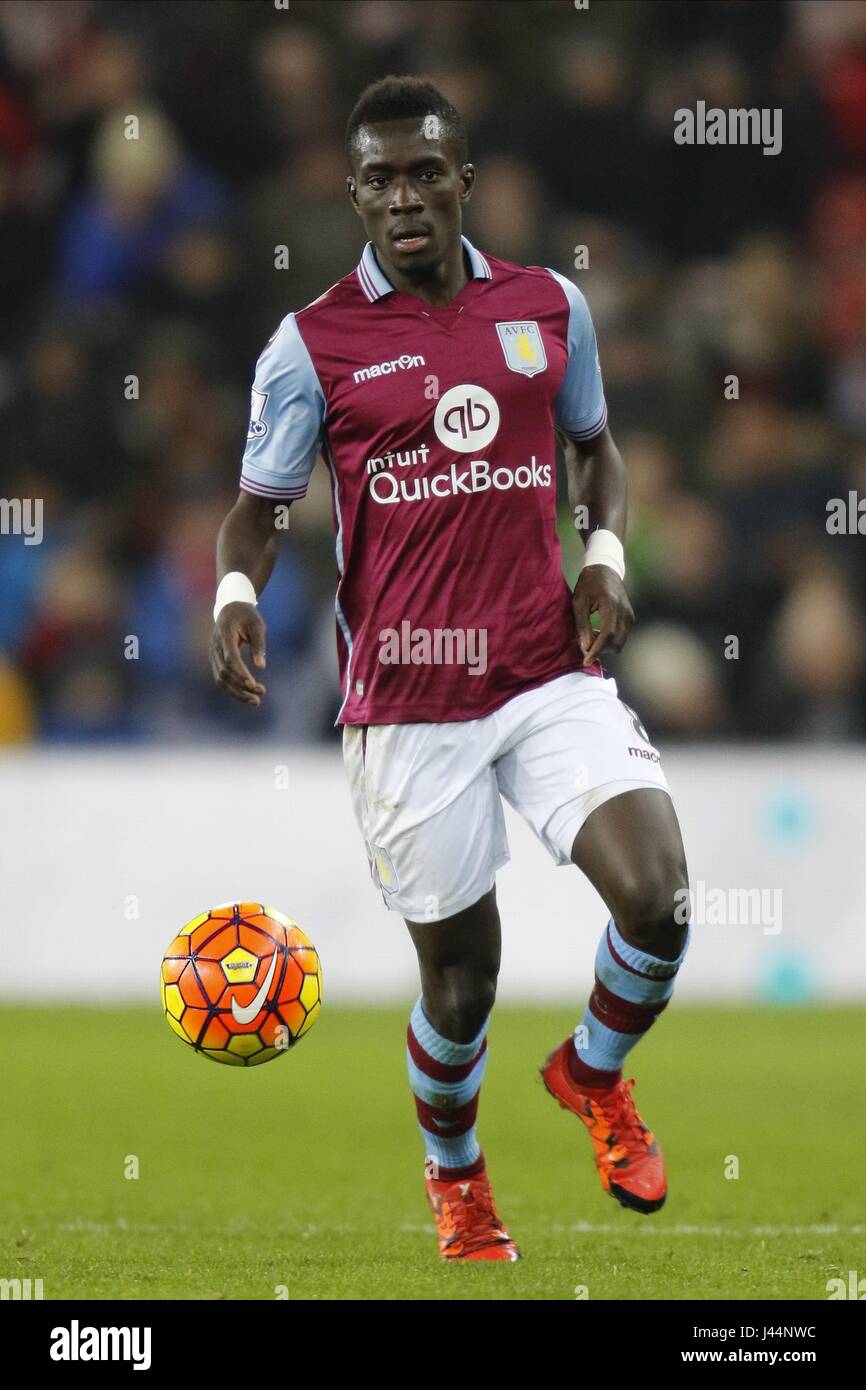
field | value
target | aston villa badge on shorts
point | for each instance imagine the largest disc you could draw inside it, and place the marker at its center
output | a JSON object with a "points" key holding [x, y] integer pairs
{"points": [[523, 347], [383, 869]]}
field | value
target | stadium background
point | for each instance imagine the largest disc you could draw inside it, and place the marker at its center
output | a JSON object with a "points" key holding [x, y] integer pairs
{"points": [[137, 785], [133, 795]]}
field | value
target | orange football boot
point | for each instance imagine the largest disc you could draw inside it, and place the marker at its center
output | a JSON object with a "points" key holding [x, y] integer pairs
{"points": [[629, 1161], [467, 1221]]}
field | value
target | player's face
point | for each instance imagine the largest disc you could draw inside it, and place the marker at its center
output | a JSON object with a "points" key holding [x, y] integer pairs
{"points": [[409, 190]]}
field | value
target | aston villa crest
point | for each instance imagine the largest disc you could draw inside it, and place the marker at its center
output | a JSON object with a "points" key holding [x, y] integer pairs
{"points": [[523, 347]]}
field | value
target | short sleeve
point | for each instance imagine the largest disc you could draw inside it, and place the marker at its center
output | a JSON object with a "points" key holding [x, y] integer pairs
{"points": [[581, 410], [286, 415]]}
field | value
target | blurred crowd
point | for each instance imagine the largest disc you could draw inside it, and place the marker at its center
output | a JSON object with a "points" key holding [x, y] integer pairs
{"points": [[138, 284]]}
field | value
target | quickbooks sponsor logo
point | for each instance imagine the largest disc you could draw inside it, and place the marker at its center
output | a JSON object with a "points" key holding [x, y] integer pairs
{"points": [[397, 364], [387, 489], [77, 1343], [466, 419], [400, 458]]}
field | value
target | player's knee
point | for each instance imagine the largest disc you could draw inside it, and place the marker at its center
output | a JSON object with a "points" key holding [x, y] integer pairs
{"points": [[648, 904], [458, 1009]]}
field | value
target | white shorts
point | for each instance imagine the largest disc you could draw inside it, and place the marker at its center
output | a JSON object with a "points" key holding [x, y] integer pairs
{"points": [[427, 797]]}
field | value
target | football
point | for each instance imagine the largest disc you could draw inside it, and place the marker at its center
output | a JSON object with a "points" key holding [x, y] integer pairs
{"points": [[241, 984]]}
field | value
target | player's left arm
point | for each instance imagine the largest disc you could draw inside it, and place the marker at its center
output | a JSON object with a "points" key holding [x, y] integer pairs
{"points": [[597, 495], [596, 482]]}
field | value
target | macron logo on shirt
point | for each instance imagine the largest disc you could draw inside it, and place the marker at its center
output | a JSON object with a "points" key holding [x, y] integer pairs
{"points": [[397, 364]]}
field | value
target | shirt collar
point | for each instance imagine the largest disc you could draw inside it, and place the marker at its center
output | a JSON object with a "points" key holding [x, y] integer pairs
{"points": [[375, 283]]}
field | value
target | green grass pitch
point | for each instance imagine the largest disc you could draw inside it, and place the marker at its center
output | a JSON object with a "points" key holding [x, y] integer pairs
{"points": [[307, 1172]]}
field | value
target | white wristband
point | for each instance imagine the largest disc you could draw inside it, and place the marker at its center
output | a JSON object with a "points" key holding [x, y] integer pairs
{"points": [[234, 588], [605, 548]]}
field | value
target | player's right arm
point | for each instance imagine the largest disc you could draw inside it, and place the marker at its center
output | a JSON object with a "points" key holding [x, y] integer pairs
{"points": [[288, 409], [247, 544]]}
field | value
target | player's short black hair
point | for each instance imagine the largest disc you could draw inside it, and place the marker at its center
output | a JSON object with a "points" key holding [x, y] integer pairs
{"points": [[397, 99]]}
